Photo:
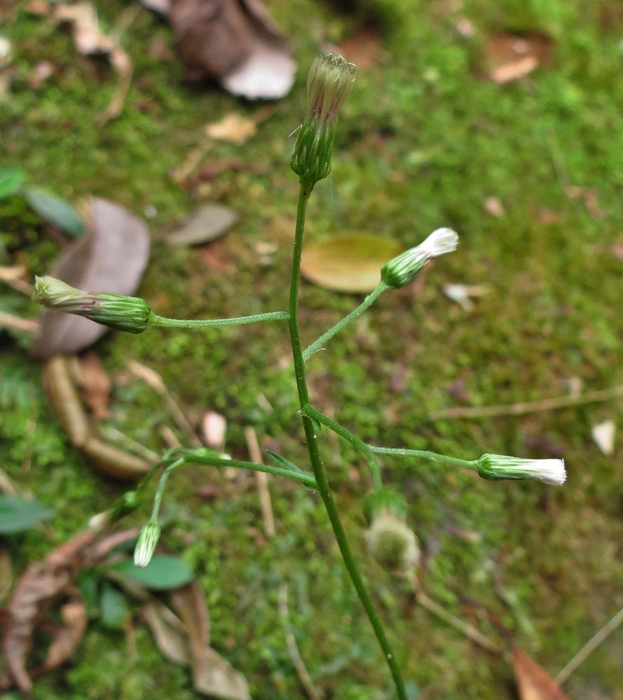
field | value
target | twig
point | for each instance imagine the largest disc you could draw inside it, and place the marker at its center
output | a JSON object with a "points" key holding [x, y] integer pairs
{"points": [[12, 277], [262, 481], [18, 324], [293, 650], [518, 409], [589, 647], [468, 630], [155, 381], [117, 436]]}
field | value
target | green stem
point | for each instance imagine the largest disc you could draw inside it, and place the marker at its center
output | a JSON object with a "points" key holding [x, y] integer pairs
{"points": [[156, 320], [367, 302], [425, 454], [304, 477], [366, 450], [312, 446]]}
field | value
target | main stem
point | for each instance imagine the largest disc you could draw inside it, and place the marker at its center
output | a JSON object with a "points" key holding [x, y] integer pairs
{"points": [[312, 446]]}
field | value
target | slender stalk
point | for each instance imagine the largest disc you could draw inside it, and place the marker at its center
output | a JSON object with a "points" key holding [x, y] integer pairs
{"points": [[367, 452], [366, 303], [424, 454], [312, 446], [156, 320], [193, 458]]}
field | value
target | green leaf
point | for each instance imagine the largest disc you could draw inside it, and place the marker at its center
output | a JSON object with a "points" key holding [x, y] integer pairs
{"points": [[350, 263], [18, 514], [57, 211], [10, 182], [113, 607], [162, 573], [282, 462]]}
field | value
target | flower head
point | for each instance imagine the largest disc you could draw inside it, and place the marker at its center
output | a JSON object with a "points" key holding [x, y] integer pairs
{"points": [[390, 540], [549, 471], [401, 270], [146, 545], [330, 79], [124, 313]]}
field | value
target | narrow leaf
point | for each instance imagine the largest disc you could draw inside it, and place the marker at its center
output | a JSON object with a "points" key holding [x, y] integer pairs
{"points": [[10, 182], [57, 211], [18, 514], [162, 573], [113, 607]]}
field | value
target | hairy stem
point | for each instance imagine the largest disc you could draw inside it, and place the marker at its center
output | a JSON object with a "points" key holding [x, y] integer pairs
{"points": [[312, 446], [366, 450], [156, 320], [367, 302]]}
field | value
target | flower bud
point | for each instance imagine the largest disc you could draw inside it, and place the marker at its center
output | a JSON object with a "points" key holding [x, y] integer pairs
{"points": [[390, 541], [146, 545], [330, 80], [401, 270], [124, 313], [549, 471]]}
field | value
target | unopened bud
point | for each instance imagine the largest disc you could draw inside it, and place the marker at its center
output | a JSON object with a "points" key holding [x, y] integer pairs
{"points": [[549, 471], [390, 541], [124, 313], [401, 270], [146, 545], [330, 79]]}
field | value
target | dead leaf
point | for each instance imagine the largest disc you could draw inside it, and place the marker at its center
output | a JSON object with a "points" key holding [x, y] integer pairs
{"points": [[95, 385], [214, 430], [169, 633], [74, 616], [90, 41], [350, 263], [533, 682], [235, 42], [233, 127], [363, 48], [603, 435], [513, 56], [161, 6], [205, 224], [111, 257], [39, 588], [212, 674], [462, 293], [494, 207]]}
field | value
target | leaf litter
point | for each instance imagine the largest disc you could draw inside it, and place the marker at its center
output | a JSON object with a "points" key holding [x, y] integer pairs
{"points": [[235, 42], [111, 257], [533, 682], [40, 587], [514, 56]]}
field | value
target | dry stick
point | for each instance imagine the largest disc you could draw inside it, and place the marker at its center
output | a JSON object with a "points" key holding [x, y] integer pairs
{"points": [[16, 323], [155, 381], [131, 445], [589, 647], [468, 630], [262, 481], [293, 649], [518, 409]]}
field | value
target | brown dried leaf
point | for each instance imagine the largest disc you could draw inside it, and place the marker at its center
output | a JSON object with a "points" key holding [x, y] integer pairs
{"points": [[39, 587], [90, 41], [533, 682], [363, 48], [111, 257], [209, 222], [95, 385], [170, 638], [513, 56], [233, 127], [235, 42], [212, 674], [74, 615]]}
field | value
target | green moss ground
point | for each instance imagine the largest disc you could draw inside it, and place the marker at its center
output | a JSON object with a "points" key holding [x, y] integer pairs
{"points": [[423, 142]]}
